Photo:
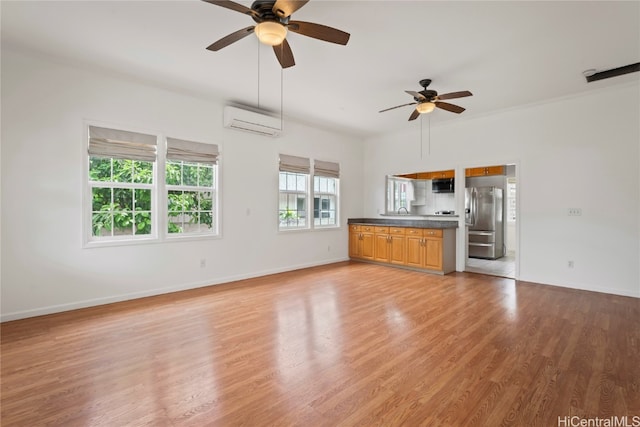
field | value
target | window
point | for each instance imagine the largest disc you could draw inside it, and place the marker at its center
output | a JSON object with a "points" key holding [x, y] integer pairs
{"points": [[129, 203], [511, 199], [121, 183], [191, 182], [326, 184], [400, 192], [293, 190]]}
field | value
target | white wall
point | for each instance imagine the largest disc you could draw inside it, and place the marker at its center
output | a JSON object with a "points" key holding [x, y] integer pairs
{"points": [[44, 266], [577, 152], [582, 151]]}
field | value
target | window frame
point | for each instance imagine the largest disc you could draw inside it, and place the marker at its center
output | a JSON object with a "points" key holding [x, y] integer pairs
{"points": [[159, 197], [287, 192], [215, 230], [320, 169], [93, 240], [336, 194]]}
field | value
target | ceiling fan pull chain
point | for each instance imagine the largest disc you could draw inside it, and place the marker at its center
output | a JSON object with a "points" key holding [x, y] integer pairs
{"points": [[429, 143], [281, 98], [421, 144]]}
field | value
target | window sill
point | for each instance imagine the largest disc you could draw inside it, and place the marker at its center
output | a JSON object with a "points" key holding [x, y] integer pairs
{"points": [[149, 241]]}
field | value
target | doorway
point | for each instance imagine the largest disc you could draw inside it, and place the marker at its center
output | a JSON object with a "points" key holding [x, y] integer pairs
{"points": [[491, 220]]}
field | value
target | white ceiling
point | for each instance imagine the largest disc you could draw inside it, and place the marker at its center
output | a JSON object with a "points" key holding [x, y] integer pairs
{"points": [[506, 53]]}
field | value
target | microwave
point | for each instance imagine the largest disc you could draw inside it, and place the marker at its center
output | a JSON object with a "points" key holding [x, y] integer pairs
{"points": [[443, 185]]}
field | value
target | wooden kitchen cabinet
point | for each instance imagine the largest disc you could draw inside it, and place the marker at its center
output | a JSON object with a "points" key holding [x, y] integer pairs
{"points": [[433, 249], [424, 248], [354, 241], [485, 171], [408, 175], [436, 175], [389, 245], [419, 248], [397, 244], [414, 247], [443, 174], [361, 243], [381, 244]]}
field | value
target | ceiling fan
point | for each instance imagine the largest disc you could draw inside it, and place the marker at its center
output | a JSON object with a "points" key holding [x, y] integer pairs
{"points": [[273, 21], [427, 100]]}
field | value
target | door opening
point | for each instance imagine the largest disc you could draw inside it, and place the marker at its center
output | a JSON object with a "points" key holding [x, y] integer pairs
{"points": [[490, 220]]}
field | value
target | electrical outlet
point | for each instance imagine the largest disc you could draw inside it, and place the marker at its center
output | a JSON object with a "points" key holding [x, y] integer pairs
{"points": [[570, 264], [203, 263], [574, 211]]}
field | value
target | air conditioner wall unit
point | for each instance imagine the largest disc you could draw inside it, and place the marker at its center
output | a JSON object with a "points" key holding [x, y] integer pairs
{"points": [[250, 121]]}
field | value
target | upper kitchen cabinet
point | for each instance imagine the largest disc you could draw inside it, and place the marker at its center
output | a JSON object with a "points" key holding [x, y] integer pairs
{"points": [[485, 171], [429, 175], [441, 174]]}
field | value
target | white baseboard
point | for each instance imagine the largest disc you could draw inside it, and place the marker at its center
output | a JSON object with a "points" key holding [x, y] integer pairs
{"points": [[6, 317]]}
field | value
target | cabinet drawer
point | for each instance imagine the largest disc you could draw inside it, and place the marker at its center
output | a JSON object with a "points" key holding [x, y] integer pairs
{"points": [[432, 233], [368, 228], [354, 227], [379, 229], [414, 232], [397, 230]]}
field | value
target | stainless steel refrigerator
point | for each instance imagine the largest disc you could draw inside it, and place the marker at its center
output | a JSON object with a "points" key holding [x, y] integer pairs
{"points": [[484, 219]]}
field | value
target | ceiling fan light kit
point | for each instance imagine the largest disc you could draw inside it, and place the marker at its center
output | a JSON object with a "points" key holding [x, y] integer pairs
{"points": [[271, 33], [425, 107]]}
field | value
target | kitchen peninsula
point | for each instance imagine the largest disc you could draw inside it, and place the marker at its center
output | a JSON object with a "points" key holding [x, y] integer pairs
{"points": [[420, 244]]}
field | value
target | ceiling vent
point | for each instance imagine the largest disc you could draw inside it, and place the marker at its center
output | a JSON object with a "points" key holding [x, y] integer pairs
{"points": [[250, 121]]}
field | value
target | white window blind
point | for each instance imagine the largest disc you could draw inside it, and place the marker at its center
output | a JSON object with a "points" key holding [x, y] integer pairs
{"points": [[120, 144], [328, 169], [189, 151], [294, 164]]}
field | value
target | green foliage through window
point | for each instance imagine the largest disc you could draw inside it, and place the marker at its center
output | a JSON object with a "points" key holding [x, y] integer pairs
{"points": [[189, 197], [121, 199]]}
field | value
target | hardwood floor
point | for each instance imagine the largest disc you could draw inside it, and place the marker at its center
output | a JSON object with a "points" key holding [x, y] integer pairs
{"points": [[350, 344]]}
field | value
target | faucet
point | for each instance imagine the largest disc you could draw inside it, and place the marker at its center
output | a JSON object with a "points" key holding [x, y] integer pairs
{"points": [[405, 210]]}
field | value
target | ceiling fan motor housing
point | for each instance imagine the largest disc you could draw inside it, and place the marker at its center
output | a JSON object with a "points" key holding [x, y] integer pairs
{"points": [[264, 9], [429, 94]]}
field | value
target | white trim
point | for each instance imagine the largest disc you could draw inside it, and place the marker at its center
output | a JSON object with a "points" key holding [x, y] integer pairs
{"points": [[5, 317]]}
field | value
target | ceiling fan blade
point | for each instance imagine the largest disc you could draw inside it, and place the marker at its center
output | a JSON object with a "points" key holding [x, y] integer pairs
{"points": [[231, 38], [320, 32], [415, 94], [414, 115], [452, 95], [449, 107], [284, 8], [284, 54], [233, 6], [397, 106]]}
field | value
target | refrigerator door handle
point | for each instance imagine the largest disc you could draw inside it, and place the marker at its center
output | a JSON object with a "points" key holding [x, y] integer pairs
{"points": [[474, 206]]}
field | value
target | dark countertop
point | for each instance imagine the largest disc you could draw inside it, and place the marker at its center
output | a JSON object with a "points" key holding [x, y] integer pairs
{"points": [[417, 223]]}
